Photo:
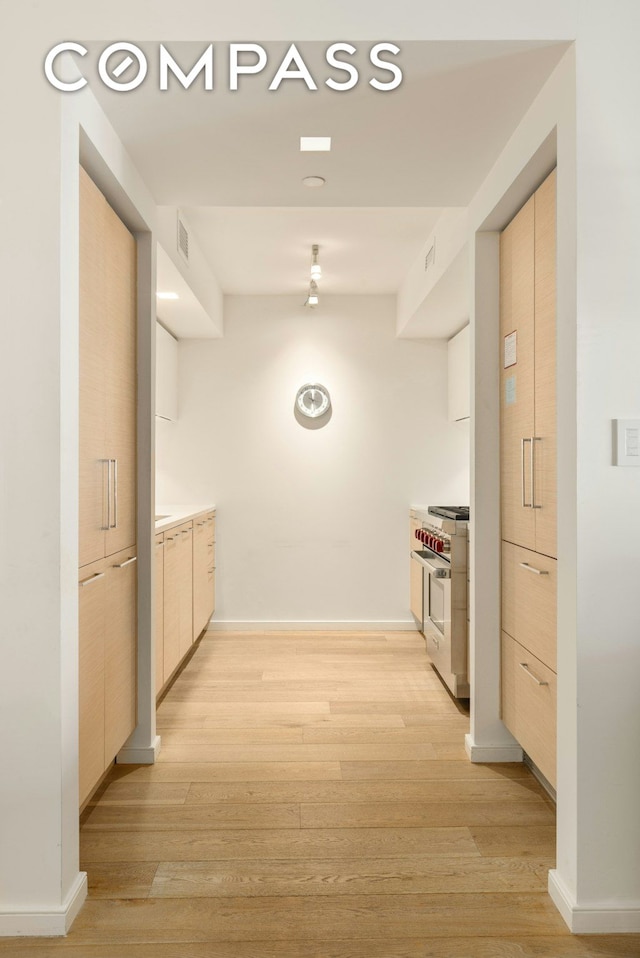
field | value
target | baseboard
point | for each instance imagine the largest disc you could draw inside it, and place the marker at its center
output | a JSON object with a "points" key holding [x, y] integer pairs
{"points": [[594, 919], [46, 924], [315, 625], [139, 756], [484, 754]]}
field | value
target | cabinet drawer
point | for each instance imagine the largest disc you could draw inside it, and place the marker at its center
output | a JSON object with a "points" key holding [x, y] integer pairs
{"points": [[528, 699], [529, 589]]}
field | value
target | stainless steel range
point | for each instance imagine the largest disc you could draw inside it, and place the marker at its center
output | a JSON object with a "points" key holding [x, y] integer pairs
{"points": [[441, 608]]}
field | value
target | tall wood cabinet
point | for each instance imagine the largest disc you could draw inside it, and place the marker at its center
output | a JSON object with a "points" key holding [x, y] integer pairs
{"points": [[107, 485], [528, 476]]}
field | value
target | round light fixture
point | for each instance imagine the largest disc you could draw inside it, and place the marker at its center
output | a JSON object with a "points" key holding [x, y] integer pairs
{"points": [[314, 181]]}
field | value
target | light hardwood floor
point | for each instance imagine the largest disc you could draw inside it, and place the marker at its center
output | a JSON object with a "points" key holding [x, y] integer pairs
{"points": [[313, 800]]}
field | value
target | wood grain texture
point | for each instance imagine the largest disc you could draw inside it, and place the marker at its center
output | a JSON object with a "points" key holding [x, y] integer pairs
{"points": [[517, 422], [545, 367], [522, 946], [419, 858]]}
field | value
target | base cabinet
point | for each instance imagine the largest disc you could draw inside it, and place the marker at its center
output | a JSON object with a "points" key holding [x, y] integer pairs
{"points": [[204, 568], [177, 599], [185, 591], [159, 610], [107, 663], [529, 693]]}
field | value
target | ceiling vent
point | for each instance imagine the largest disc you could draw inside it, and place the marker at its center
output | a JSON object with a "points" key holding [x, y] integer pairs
{"points": [[430, 258], [183, 239]]}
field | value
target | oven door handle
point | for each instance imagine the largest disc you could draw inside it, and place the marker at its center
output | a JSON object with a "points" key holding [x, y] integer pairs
{"points": [[438, 572]]}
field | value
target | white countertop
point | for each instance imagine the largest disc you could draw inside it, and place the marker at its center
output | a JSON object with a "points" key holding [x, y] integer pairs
{"points": [[173, 515]]}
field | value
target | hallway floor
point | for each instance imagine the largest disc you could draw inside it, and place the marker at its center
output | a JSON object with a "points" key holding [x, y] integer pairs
{"points": [[313, 800]]}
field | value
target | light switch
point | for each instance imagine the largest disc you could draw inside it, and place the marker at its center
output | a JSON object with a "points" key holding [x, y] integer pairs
{"points": [[626, 442]]}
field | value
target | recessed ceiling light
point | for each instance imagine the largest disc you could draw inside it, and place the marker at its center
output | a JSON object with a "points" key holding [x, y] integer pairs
{"points": [[314, 181], [315, 144], [167, 296]]}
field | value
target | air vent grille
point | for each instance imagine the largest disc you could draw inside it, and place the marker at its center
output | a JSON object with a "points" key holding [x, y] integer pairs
{"points": [[430, 258], [183, 240]]}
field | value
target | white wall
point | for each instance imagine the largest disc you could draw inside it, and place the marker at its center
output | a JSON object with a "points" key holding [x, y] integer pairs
{"points": [[312, 523]]}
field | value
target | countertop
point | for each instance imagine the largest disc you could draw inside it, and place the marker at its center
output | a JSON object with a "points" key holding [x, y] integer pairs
{"points": [[174, 515]]}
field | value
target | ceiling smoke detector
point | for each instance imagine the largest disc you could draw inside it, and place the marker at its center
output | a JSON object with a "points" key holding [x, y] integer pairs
{"points": [[314, 181]]}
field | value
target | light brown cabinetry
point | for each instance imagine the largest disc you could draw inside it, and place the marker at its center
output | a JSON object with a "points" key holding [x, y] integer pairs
{"points": [[159, 610], [178, 596], [528, 476], [528, 400], [185, 590], [204, 564], [529, 693], [107, 450], [107, 663], [107, 485]]}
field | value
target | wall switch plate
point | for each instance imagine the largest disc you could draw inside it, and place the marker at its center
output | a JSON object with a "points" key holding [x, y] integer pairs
{"points": [[626, 442]]}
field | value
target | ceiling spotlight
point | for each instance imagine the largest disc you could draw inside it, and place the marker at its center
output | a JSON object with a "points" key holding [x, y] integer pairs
{"points": [[315, 144], [316, 269], [314, 181], [312, 298]]}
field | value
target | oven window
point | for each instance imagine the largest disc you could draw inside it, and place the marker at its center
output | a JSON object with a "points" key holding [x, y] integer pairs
{"points": [[437, 603]]}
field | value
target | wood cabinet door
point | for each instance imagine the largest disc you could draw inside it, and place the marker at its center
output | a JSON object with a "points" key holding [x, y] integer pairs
{"points": [[159, 610], [185, 574], [200, 575], [517, 380], [120, 378], [529, 694], [171, 592], [92, 604], [529, 600], [92, 398], [121, 651], [545, 494]]}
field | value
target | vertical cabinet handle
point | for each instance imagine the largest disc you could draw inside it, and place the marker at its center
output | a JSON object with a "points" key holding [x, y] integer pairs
{"points": [[112, 493], [534, 440], [107, 525], [525, 504], [115, 493]]}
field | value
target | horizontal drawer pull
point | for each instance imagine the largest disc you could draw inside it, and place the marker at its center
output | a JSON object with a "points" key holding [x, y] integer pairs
{"points": [[524, 666], [186, 532], [530, 568], [92, 578], [127, 562], [159, 544]]}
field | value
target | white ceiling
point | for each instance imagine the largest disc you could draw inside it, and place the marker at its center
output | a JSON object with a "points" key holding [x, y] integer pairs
{"points": [[231, 159], [362, 250]]}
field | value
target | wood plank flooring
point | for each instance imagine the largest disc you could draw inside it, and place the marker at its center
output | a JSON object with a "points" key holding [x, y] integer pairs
{"points": [[313, 800]]}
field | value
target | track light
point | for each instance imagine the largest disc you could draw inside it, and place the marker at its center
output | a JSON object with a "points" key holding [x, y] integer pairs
{"points": [[312, 298], [316, 269]]}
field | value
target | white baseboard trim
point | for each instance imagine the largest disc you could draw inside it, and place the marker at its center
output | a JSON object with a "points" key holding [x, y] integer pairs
{"points": [[593, 919], [136, 755], [315, 625], [492, 753], [39, 923]]}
